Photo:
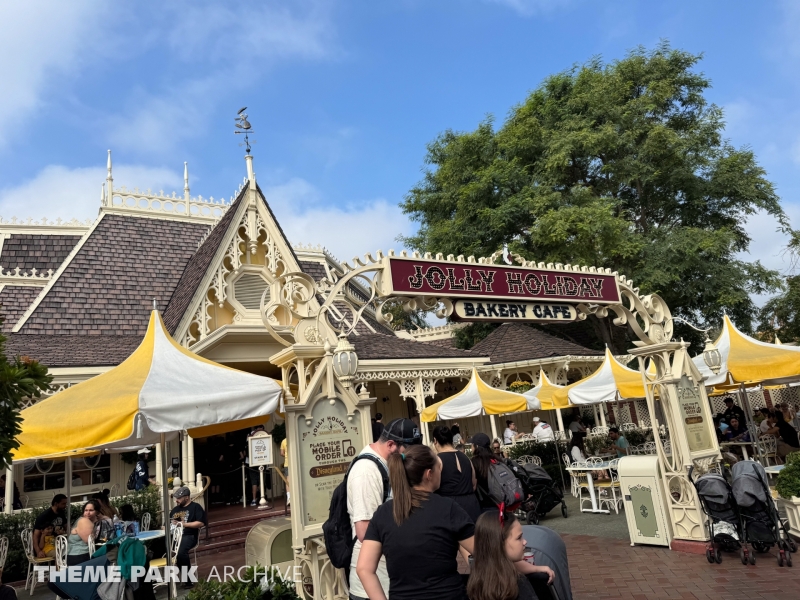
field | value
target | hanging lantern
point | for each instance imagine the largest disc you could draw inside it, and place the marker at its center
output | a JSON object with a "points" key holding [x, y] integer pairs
{"points": [[345, 361], [712, 357]]}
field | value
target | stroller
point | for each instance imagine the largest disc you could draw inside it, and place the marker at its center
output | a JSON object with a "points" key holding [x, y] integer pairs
{"points": [[541, 493], [724, 521], [761, 523]]}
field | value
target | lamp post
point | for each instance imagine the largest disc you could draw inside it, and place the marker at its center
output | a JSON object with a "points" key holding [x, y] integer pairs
{"points": [[345, 361], [711, 354]]}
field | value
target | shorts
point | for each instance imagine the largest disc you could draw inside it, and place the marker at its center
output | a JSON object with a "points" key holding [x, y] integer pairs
{"points": [[253, 475], [286, 472]]}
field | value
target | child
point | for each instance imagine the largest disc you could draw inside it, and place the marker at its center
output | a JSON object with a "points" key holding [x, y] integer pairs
{"points": [[49, 547]]}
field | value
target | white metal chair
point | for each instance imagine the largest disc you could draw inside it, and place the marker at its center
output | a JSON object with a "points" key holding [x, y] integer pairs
{"points": [[177, 536], [650, 448], [3, 554], [600, 430], [62, 549], [27, 544], [582, 483], [612, 487], [145, 524], [114, 491], [24, 499], [627, 427], [634, 450], [768, 448], [560, 436]]}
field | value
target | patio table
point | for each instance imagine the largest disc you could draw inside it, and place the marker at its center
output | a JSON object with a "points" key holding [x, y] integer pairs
{"points": [[592, 496], [742, 445], [774, 469]]}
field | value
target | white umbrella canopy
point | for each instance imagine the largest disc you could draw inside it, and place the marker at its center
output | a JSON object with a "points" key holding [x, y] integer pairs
{"points": [[162, 388]]}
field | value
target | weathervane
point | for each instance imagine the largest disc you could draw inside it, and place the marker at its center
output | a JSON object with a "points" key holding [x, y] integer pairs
{"points": [[243, 126]]}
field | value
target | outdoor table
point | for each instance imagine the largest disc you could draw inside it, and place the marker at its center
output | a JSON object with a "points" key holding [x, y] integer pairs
{"points": [[605, 455], [743, 446], [592, 496], [774, 469]]}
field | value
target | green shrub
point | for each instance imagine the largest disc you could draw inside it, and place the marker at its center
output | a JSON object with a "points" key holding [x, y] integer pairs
{"points": [[549, 452], [260, 587], [788, 483], [595, 443], [637, 437]]}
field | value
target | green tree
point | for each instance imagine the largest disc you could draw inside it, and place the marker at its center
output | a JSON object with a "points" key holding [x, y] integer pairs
{"points": [[619, 165], [20, 378], [402, 319]]}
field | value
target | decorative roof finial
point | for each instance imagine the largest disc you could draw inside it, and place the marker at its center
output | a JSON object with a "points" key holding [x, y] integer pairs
{"points": [[243, 126], [155, 306], [186, 179], [109, 182]]}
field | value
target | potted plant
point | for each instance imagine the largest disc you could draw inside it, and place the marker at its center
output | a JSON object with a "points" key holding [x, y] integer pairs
{"points": [[788, 486], [519, 387]]}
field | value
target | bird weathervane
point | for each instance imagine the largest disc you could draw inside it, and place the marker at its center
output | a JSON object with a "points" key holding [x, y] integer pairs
{"points": [[243, 126]]}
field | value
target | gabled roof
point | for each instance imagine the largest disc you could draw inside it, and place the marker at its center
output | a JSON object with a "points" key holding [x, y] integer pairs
{"points": [[73, 350], [36, 251], [379, 346], [512, 342], [108, 286], [14, 301]]}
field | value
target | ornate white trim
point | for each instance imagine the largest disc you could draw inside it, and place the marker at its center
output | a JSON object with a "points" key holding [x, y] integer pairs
{"points": [[44, 226], [18, 277]]}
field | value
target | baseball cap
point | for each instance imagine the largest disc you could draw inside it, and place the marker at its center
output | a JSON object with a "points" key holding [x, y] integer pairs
{"points": [[403, 431], [480, 439], [180, 492], [535, 419], [144, 451]]}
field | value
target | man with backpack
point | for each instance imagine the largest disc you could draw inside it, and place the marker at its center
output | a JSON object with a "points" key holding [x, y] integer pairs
{"points": [[141, 472], [368, 488]]}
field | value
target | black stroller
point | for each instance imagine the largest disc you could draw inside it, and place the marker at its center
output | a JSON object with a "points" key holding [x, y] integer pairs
{"points": [[724, 521], [761, 523], [541, 493]]}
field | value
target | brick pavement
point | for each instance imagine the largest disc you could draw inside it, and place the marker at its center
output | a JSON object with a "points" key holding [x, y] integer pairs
{"points": [[603, 568]]}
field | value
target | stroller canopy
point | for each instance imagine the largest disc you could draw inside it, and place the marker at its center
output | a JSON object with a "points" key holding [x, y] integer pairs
{"points": [[713, 488], [537, 473], [750, 483]]}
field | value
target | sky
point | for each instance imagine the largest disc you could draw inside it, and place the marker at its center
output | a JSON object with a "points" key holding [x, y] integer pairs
{"points": [[344, 96]]}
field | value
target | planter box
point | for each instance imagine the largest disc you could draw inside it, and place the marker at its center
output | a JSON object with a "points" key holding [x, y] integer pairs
{"points": [[792, 508]]}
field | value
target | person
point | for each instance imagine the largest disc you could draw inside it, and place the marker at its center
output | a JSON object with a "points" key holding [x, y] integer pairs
{"points": [[787, 435], [285, 455], [458, 473], [731, 411], [789, 414], [498, 572], [365, 492], [49, 541], [126, 513], [16, 502], [718, 429], [542, 432], [458, 440], [104, 506], [103, 525], [193, 517], [78, 540], [142, 470], [497, 449], [482, 458], [620, 443], [576, 450], [576, 426], [253, 473], [765, 424], [418, 532], [510, 434], [54, 516], [377, 427]]}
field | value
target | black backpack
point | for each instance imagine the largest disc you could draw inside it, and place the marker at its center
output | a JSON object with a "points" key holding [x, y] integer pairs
{"points": [[339, 540], [132, 480]]}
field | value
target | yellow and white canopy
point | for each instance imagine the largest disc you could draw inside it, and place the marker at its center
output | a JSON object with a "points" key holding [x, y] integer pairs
{"points": [[475, 400], [603, 385], [745, 359], [160, 388], [541, 396]]}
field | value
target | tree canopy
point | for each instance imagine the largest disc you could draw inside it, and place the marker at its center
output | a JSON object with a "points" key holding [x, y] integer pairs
{"points": [[620, 165]]}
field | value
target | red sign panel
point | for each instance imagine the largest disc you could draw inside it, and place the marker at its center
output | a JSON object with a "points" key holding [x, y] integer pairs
{"points": [[417, 277]]}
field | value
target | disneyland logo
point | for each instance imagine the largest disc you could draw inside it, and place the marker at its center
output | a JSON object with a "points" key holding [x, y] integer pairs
{"points": [[113, 574]]}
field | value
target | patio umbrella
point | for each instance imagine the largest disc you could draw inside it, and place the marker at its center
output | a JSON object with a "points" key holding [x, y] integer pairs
{"points": [[747, 360], [160, 388], [477, 399], [603, 385], [540, 397]]}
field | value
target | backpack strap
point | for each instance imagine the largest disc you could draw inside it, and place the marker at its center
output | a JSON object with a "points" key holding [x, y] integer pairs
{"points": [[384, 473]]}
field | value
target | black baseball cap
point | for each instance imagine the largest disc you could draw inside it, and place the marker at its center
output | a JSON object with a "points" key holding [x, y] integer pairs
{"points": [[480, 439], [403, 431]]}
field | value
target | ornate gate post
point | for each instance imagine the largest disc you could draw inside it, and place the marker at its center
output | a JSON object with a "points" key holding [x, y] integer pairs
{"points": [[683, 430]]}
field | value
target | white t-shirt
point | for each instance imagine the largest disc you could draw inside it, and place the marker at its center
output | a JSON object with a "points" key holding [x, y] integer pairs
{"points": [[575, 427], [543, 433], [577, 455], [764, 426], [364, 496], [508, 435]]}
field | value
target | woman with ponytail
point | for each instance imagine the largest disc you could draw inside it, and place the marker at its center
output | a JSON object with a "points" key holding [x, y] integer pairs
{"points": [[419, 533], [498, 572]]}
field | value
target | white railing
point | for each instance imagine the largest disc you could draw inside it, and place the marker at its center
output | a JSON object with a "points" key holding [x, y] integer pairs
{"points": [[206, 209]]}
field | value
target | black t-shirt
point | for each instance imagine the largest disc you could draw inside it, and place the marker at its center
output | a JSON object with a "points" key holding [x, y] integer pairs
{"points": [[733, 411], [788, 434], [189, 514], [57, 520], [421, 553]]}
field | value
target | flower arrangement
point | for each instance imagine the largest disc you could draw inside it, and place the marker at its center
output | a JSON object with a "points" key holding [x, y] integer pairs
{"points": [[520, 387]]}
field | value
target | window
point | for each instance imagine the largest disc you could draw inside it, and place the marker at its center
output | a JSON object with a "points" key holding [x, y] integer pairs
{"points": [[92, 470], [49, 474]]}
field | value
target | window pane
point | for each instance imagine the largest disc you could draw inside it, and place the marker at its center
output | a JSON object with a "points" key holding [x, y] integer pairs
{"points": [[33, 483], [52, 482], [101, 475]]}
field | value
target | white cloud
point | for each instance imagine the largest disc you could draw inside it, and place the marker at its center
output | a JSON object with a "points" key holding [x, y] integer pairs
{"points": [[59, 192], [529, 8], [40, 42], [345, 232]]}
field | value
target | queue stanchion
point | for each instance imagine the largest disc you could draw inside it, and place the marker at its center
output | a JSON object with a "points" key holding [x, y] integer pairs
{"points": [[262, 503], [244, 487]]}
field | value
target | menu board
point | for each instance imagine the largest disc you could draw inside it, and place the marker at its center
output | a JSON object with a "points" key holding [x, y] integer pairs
{"points": [[327, 447], [693, 416]]}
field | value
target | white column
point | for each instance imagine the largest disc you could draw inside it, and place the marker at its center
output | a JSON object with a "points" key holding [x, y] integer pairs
{"points": [[602, 415], [184, 459], [560, 420], [596, 416], [191, 474], [494, 427], [159, 462], [8, 508]]}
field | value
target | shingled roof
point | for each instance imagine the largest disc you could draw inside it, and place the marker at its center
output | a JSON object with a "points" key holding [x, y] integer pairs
{"points": [[73, 350], [14, 301], [34, 251], [109, 286], [513, 342], [377, 346]]}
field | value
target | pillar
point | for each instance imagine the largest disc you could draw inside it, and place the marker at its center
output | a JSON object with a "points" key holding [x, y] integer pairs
{"points": [[602, 410], [494, 427], [159, 462], [191, 473], [559, 420], [185, 459], [8, 507], [596, 416]]}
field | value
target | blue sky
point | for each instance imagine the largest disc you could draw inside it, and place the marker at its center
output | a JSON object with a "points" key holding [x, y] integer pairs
{"points": [[344, 95]]}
